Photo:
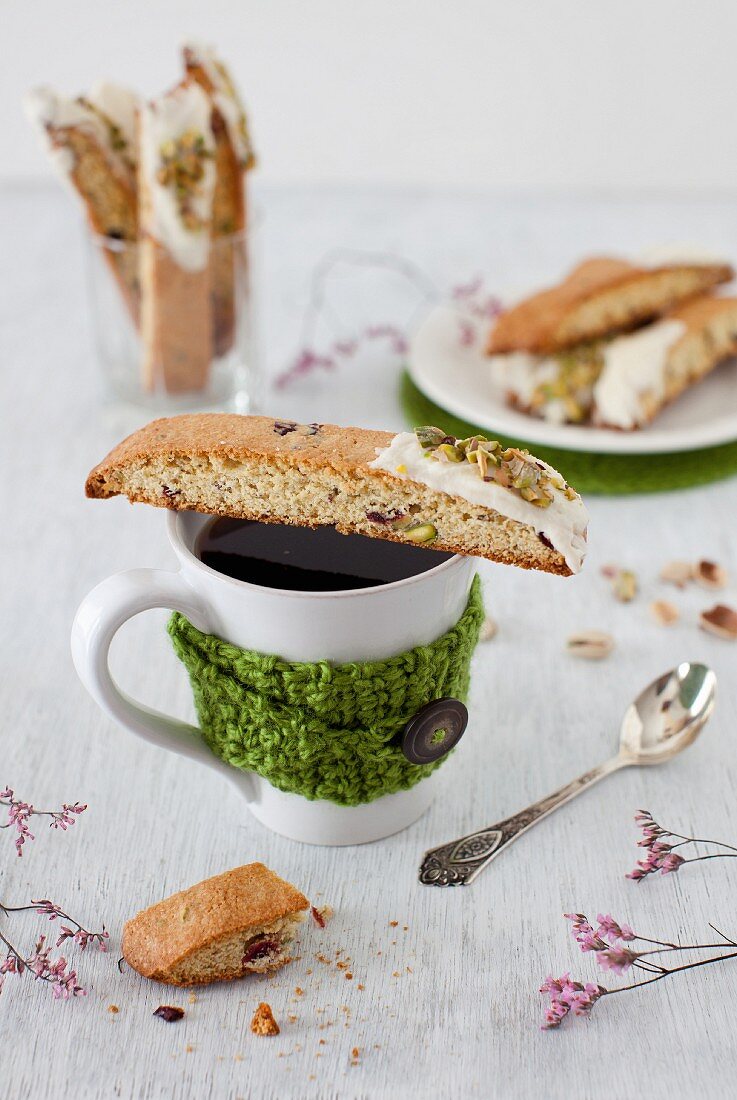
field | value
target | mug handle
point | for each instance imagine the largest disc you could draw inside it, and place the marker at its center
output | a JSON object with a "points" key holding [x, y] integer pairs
{"points": [[98, 618]]}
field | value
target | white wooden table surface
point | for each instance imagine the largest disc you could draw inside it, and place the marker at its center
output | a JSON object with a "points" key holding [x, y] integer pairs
{"points": [[449, 1005]]}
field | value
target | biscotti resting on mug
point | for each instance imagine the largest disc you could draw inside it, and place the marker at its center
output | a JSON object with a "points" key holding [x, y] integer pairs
{"points": [[626, 381], [241, 922], [91, 143], [423, 487], [600, 297]]}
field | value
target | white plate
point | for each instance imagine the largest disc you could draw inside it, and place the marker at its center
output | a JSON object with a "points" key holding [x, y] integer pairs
{"points": [[458, 378]]}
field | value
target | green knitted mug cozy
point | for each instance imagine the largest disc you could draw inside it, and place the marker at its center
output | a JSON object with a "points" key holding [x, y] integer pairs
{"points": [[323, 730]]}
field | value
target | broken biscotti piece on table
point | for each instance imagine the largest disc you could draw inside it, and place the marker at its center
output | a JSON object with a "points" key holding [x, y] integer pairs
{"points": [[624, 382], [240, 922], [91, 141], [176, 185], [600, 297], [233, 157], [425, 488]]}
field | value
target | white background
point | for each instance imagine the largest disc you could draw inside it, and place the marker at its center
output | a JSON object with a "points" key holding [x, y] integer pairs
{"points": [[539, 95]]}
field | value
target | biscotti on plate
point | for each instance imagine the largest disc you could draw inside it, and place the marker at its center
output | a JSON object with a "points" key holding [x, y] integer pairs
{"points": [[240, 922], [625, 381], [647, 370], [424, 487], [600, 297]]}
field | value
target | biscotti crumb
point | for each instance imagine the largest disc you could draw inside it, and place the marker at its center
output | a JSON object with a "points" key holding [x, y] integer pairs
{"points": [[393, 923], [263, 1022], [321, 914], [113, 1009]]}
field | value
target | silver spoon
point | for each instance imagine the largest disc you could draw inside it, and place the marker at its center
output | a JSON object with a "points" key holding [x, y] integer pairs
{"points": [[665, 719]]}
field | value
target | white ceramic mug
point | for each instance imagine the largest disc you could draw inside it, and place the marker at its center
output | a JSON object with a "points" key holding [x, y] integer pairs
{"points": [[355, 625]]}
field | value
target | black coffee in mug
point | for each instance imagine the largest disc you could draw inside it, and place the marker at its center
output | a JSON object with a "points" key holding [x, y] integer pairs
{"points": [[302, 559]]}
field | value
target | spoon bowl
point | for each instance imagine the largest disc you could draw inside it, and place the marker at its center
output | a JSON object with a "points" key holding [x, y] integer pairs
{"points": [[668, 715]]}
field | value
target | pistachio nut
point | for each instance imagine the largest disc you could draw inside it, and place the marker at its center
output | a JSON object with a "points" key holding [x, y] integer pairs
{"points": [[664, 613], [423, 532]]}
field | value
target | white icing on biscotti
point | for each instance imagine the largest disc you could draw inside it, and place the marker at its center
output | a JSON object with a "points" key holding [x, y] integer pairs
{"points": [[118, 104], [678, 255], [563, 522], [520, 374], [167, 119], [225, 98], [51, 114], [634, 365]]}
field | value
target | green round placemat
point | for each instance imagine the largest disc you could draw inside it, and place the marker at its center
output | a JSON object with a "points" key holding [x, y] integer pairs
{"points": [[592, 472]]}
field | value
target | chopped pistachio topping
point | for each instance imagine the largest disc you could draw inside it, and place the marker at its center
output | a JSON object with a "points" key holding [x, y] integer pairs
{"points": [[573, 386], [510, 467], [116, 137], [182, 168]]}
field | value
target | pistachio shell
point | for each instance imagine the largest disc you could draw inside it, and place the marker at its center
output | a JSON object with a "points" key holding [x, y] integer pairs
{"points": [[593, 645], [720, 620], [677, 572], [710, 575], [488, 630]]}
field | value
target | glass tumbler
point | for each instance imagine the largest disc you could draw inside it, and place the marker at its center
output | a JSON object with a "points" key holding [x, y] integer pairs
{"points": [[173, 340]]}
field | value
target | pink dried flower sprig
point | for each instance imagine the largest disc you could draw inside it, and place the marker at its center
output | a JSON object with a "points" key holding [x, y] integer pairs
{"points": [[81, 936], [319, 311], [476, 298], [567, 996], [307, 360], [20, 813], [64, 983], [477, 306], [607, 940], [39, 963], [661, 847]]}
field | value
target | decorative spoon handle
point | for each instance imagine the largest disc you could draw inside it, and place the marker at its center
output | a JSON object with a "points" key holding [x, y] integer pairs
{"points": [[460, 861]]}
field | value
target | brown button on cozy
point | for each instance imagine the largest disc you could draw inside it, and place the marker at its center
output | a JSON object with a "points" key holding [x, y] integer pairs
{"points": [[434, 730]]}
